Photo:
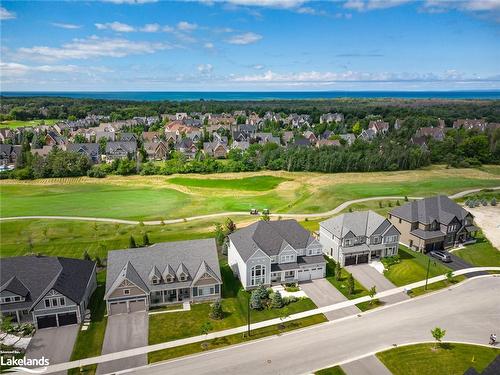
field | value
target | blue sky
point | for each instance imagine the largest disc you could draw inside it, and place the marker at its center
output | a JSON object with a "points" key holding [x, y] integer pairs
{"points": [[254, 45]]}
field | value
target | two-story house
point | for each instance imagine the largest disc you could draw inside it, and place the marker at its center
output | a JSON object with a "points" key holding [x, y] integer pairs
{"points": [[46, 291], [433, 223], [120, 150], [162, 274], [274, 252], [358, 237]]}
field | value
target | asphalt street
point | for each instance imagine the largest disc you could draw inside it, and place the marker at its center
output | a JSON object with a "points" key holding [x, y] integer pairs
{"points": [[470, 312]]}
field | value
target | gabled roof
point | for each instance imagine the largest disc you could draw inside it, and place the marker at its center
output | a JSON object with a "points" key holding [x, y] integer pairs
{"points": [[154, 272], [39, 274], [362, 223], [205, 269], [168, 271], [127, 272], [14, 285], [182, 269], [439, 207], [138, 262], [271, 237]]}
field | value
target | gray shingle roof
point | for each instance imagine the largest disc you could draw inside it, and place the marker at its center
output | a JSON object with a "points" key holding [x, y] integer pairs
{"points": [[362, 223], [270, 237], [165, 255], [40, 274], [440, 208]]}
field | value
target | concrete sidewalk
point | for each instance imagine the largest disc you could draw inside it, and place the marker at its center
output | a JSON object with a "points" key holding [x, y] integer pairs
{"points": [[267, 323], [366, 366]]}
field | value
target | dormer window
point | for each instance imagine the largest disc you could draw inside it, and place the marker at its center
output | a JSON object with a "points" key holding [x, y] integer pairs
{"points": [[182, 277], [169, 279], [155, 280]]}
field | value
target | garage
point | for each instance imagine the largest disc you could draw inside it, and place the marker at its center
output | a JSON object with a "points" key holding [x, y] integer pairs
{"points": [[67, 319], [46, 321], [349, 260], [310, 273], [117, 308], [434, 246], [139, 305]]}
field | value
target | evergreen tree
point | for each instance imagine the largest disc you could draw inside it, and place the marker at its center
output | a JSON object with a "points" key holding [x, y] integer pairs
{"points": [[255, 302], [216, 311], [350, 284], [86, 255], [145, 239], [338, 271], [276, 300]]}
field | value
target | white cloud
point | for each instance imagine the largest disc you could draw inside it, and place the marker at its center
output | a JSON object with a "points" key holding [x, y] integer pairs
{"points": [[258, 66], [365, 5], [6, 15], [209, 45], [286, 4], [482, 8], [93, 47], [186, 26], [68, 26], [325, 78], [205, 69], [17, 69], [168, 29], [150, 28], [115, 26], [246, 38]]}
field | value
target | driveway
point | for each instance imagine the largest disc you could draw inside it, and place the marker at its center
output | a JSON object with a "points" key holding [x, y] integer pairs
{"points": [[458, 263], [323, 293], [369, 277], [56, 344], [125, 331]]}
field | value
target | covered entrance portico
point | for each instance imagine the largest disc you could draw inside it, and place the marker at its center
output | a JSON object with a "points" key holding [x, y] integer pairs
{"points": [[163, 297]]}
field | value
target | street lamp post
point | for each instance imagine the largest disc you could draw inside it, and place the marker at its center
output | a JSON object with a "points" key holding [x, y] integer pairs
{"points": [[427, 276], [248, 315]]}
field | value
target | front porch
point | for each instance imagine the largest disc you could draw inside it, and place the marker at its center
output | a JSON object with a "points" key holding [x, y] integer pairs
{"points": [[284, 277], [19, 316], [170, 296]]}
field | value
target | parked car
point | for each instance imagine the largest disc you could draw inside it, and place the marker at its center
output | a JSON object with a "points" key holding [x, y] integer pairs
{"points": [[265, 211], [441, 255], [254, 211]]}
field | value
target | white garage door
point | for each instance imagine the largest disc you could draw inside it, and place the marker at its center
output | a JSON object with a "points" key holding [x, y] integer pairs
{"points": [[310, 273], [117, 308], [139, 305]]}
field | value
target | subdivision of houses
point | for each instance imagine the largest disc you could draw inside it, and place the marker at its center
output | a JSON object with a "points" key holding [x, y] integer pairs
{"points": [[433, 223], [120, 150], [379, 127], [358, 237], [91, 150], [9, 154], [274, 252], [328, 118], [161, 274], [156, 150], [46, 291], [218, 148]]}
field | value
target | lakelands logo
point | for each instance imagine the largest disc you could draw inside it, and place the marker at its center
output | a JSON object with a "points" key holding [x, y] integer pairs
{"points": [[20, 364]]}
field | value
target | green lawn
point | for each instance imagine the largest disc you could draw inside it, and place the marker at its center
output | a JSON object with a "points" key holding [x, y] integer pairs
{"points": [[163, 355], [173, 326], [89, 342], [257, 183], [341, 285], [20, 123], [413, 267], [148, 198], [336, 370], [482, 253], [449, 359]]}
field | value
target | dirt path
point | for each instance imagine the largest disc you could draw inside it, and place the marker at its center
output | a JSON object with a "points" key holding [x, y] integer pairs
{"points": [[335, 211]]}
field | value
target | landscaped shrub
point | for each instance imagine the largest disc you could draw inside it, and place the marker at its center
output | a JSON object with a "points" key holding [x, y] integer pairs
{"points": [[493, 201], [216, 311], [255, 301], [276, 300], [263, 292], [289, 299]]}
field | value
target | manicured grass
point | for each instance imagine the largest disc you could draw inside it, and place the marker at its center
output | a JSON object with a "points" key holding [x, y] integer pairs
{"points": [[481, 253], [149, 197], [336, 370], [257, 183], [89, 342], [71, 238], [163, 355], [341, 285], [413, 267], [423, 359], [173, 326], [20, 123]]}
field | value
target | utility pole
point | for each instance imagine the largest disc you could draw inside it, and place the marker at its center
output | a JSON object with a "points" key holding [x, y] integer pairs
{"points": [[248, 315], [427, 276]]}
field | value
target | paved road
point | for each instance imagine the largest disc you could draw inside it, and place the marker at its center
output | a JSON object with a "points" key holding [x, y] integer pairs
{"points": [[125, 331], [366, 366], [56, 344], [468, 313], [323, 293], [369, 277], [334, 211]]}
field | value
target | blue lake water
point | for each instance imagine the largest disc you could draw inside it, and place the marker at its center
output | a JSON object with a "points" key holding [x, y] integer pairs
{"points": [[252, 95]]}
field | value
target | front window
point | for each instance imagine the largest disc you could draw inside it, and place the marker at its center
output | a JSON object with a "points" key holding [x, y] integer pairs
{"points": [[126, 291], [169, 279], [155, 280], [62, 301], [390, 239], [289, 274], [287, 258], [348, 242], [258, 275], [54, 302], [47, 303]]}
